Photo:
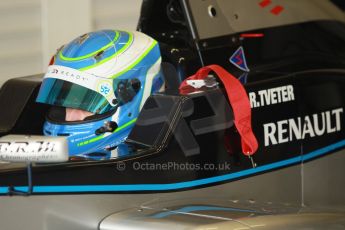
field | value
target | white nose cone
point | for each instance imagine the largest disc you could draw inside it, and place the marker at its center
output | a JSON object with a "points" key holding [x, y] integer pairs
{"points": [[42, 149]]}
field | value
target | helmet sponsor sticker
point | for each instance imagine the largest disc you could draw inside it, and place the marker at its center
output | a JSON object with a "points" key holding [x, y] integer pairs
{"points": [[101, 85], [105, 87]]}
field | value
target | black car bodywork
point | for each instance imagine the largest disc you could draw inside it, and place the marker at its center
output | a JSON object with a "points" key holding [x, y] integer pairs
{"points": [[198, 129]]}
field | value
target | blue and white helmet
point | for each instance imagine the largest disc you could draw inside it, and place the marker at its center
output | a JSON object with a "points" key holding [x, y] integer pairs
{"points": [[110, 74]]}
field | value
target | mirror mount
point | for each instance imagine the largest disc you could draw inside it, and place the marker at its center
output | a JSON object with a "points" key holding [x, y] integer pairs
{"points": [[13, 191]]}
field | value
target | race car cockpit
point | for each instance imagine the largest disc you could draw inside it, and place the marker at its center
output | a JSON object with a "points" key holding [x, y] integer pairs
{"points": [[286, 56]]}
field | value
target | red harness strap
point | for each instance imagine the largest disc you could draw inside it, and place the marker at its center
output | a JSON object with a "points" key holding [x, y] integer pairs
{"points": [[238, 99]]}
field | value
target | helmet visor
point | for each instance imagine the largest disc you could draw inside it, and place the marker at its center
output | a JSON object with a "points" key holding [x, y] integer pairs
{"points": [[67, 94], [67, 87]]}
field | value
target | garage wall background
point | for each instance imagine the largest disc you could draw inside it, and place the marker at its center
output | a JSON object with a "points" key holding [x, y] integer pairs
{"points": [[31, 30]]}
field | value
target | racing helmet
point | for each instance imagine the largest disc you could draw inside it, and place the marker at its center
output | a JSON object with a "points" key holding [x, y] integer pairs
{"points": [[107, 74]]}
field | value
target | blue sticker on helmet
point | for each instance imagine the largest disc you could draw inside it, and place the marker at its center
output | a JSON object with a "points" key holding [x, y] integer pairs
{"points": [[239, 59]]}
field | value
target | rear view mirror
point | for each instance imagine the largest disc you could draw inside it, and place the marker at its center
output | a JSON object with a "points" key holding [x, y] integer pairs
{"points": [[40, 149]]}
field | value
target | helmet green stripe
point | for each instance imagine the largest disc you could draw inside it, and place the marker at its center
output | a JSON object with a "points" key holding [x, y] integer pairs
{"points": [[130, 40], [102, 136], [137, 61], [91, 54]]}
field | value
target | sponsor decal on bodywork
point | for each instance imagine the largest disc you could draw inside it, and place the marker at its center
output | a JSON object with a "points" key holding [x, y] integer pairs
{"points": [[18, 148], [238, 59], [299, 128], [272, 96], [27, 147]]}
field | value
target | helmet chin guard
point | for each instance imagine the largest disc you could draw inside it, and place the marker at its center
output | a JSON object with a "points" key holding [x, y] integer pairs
{"points": [[109, 73]]}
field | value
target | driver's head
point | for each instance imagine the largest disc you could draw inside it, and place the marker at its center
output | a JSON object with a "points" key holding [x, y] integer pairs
{"points": [[97, 85]]}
